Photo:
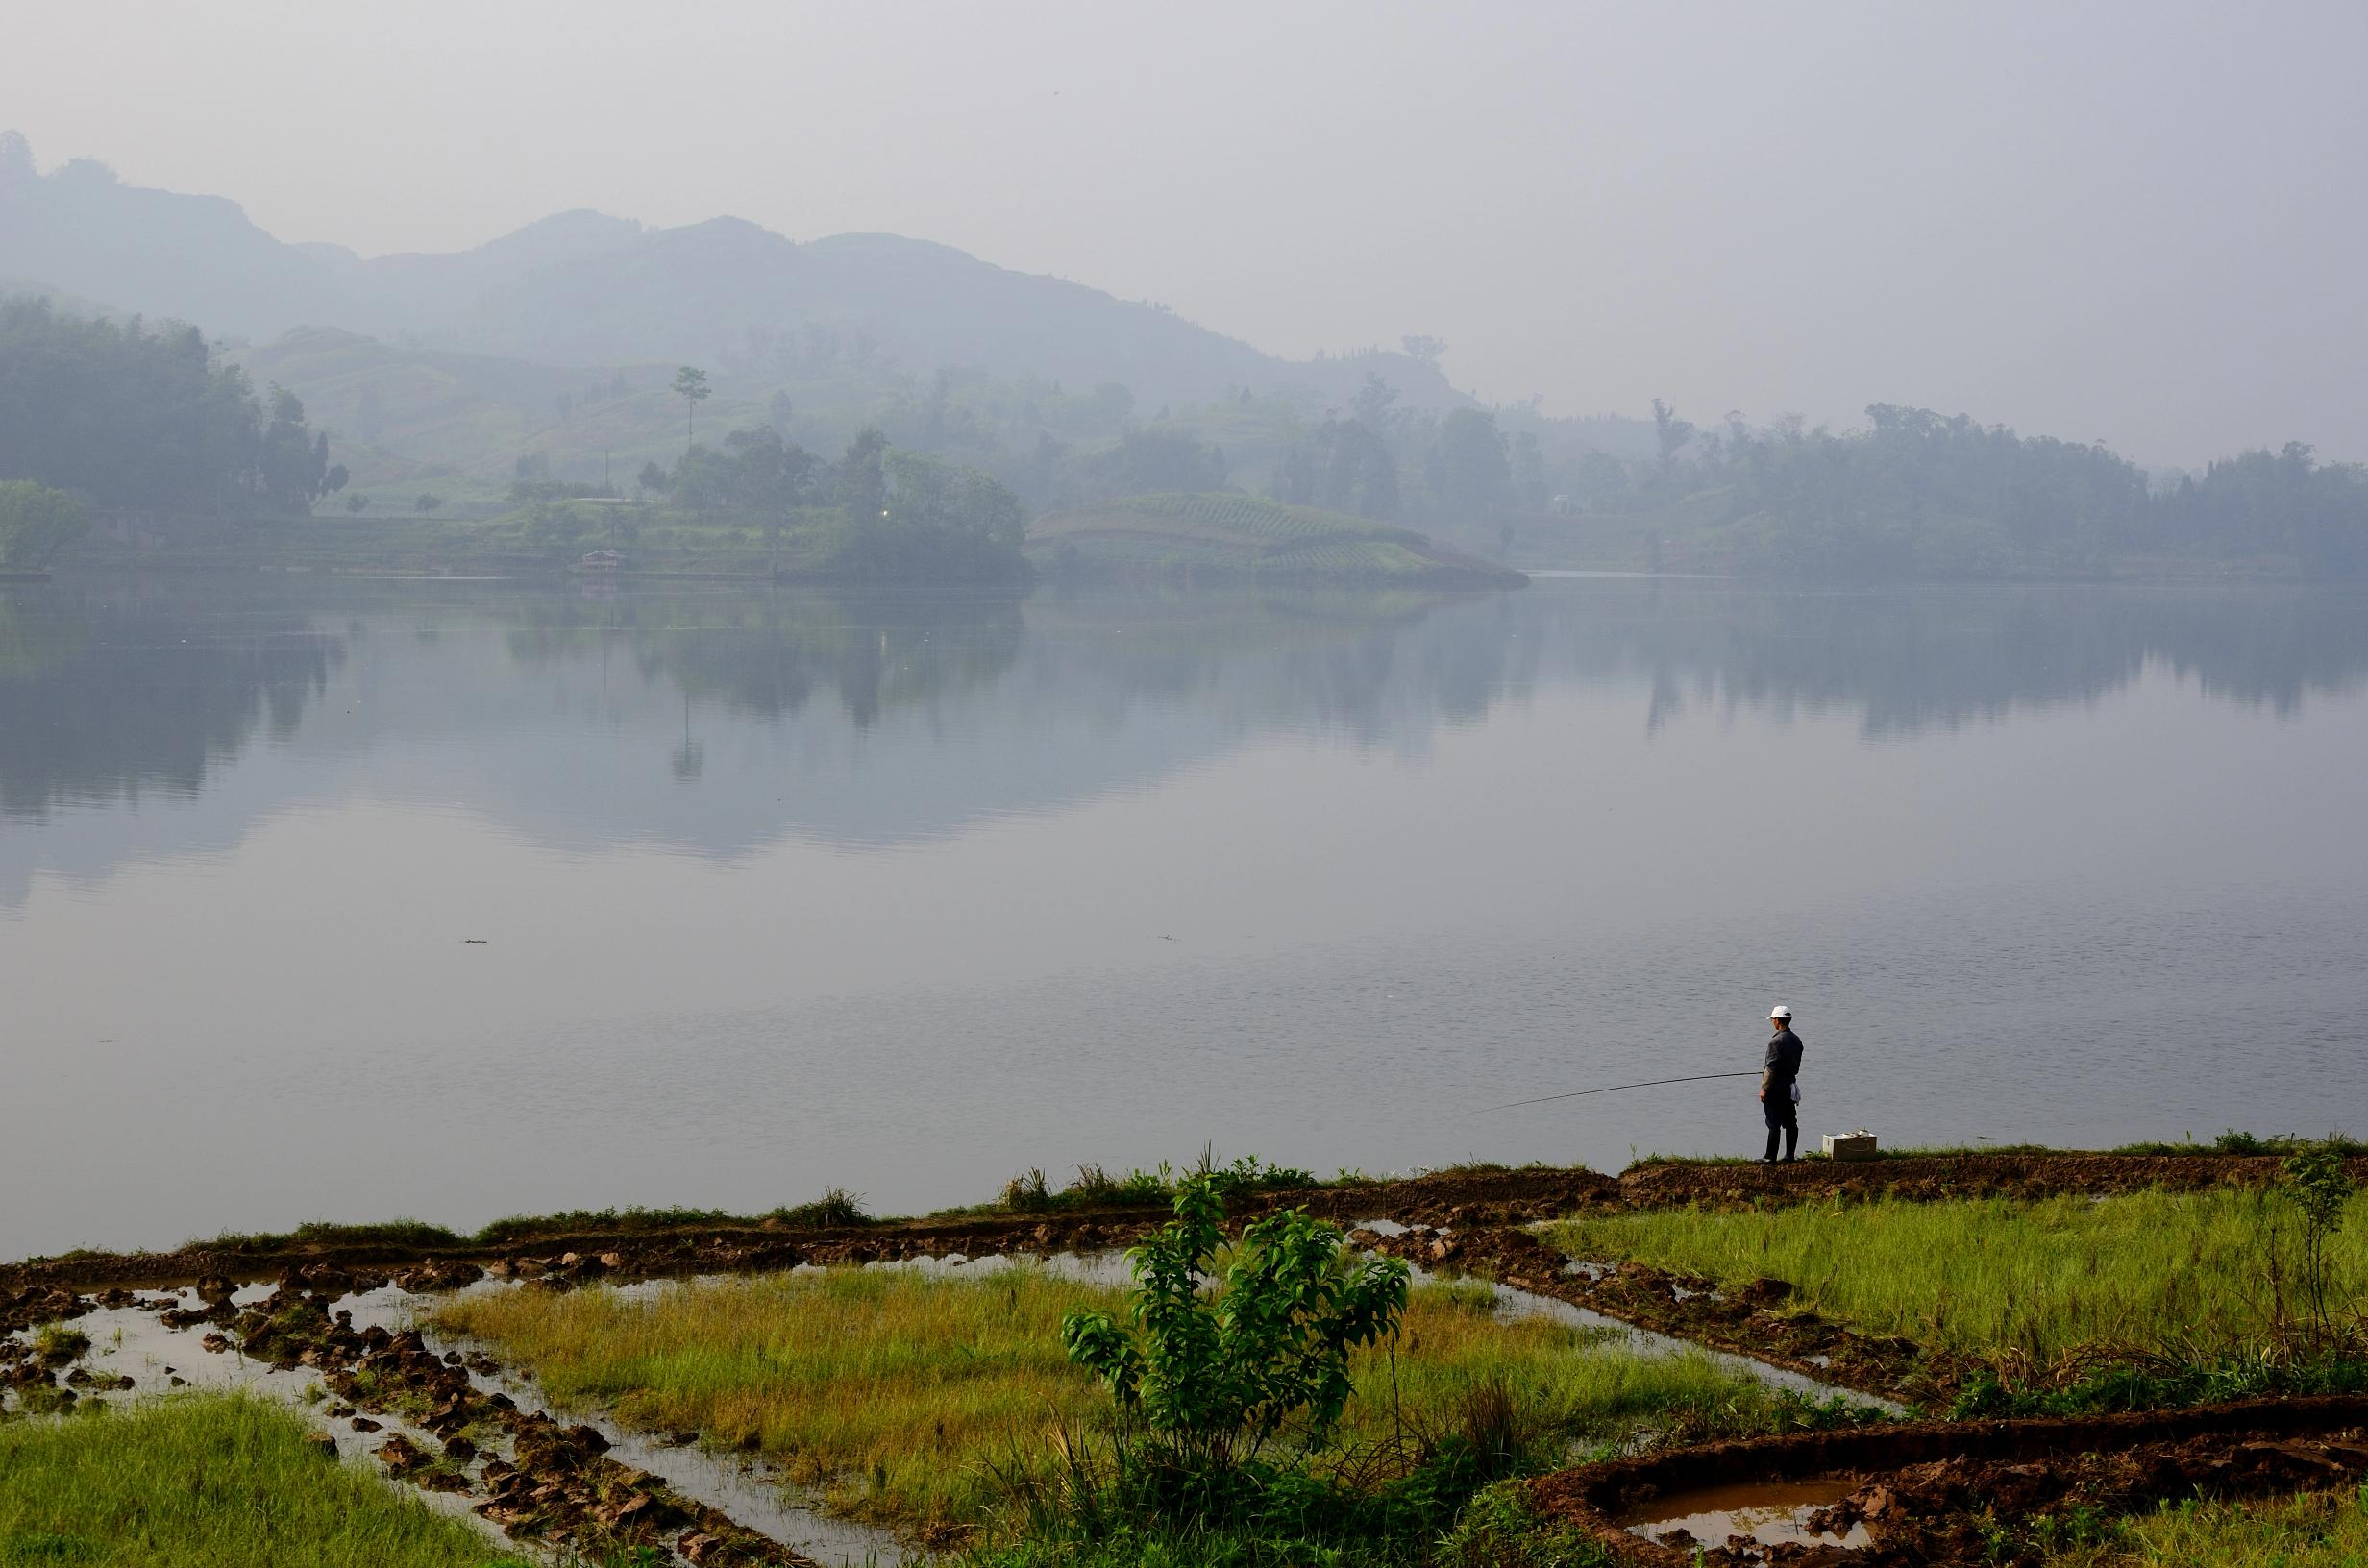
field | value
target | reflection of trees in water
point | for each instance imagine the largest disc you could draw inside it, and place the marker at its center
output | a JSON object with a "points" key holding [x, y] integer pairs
{"points": [[1369, 666], [1912, 661], [103, 696], [878, 653], [768, 654]]}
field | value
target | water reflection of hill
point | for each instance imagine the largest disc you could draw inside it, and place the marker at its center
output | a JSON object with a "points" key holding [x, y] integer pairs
{"points": [[716, 721]]}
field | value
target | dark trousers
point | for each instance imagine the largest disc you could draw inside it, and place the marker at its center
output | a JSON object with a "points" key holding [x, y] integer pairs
{"points": [[1783, 1118]]}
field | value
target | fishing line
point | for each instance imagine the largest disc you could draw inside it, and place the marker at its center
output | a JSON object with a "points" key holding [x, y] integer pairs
{"points": [[1612, 1088]]}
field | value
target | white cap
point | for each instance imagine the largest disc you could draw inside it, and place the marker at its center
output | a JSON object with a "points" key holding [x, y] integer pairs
{"points": [[1779, 1010]]}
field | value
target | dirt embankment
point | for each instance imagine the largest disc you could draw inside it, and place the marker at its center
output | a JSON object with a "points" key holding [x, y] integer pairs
{"points": [[1754, 1321], [1461, 1199], [31, 1292], [1971, 1492]]}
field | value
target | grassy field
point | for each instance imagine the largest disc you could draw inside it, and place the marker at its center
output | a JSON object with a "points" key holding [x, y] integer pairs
{"points": [[2315, 1530], [2155, 1270], [208, 1481], [1239, 534], [893, 1393]]}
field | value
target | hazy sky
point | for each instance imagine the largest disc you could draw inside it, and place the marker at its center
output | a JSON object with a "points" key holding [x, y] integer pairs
{"points": [[2138, 222]]}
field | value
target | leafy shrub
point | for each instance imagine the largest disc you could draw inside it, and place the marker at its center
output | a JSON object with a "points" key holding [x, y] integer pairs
{"points": [[631, 1218], [1214, 1379], [2320, 1184], [836, 1208]]}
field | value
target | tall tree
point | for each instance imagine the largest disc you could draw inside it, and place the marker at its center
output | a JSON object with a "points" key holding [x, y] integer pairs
{"points": [[1468, 474], [1669, 432], [858, 480], [773, 477], [36, 522], [690, 384], [1371, 407]]}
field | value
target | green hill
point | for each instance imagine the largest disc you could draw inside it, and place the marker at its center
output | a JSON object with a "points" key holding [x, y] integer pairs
{"points": [[1222, 535]]}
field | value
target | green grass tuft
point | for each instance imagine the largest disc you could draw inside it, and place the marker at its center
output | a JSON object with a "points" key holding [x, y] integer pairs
{"points": [[2187, 1274], [2313, 1529], [901, 1395], [209, 1482]]}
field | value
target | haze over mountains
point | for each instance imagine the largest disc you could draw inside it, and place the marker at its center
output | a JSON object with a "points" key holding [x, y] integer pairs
{"points": [[583, 289]]}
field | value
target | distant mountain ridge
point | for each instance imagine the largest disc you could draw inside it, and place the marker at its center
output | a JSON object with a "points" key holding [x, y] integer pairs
{"points": [[583, 289]]}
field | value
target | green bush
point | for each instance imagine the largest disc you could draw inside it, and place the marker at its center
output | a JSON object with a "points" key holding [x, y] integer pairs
{"points": [[1213, 1380]]}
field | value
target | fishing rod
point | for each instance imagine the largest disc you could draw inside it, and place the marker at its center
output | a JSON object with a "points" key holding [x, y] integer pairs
{"points": [[1614, 1088]]}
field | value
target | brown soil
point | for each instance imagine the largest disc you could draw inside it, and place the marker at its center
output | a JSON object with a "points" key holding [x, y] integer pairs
{"points": [[38, 1290], [1448, 1198], [1947, 1493]]}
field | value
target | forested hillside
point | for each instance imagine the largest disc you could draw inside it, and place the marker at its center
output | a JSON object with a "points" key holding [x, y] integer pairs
{"points": [[129, 416]]}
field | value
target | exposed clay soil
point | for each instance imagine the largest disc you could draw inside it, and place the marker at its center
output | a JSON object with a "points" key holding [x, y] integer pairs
{"points": [[1937, 1493]]}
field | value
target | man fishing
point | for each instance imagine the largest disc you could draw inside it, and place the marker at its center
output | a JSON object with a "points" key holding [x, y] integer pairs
{"points": [[1779, 1073]]}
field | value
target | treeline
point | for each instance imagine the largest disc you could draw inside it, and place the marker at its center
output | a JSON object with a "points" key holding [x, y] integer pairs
{"points": [[132, 417], [1920, 493], [1459, 471], [1915, 493], [875, 512]]}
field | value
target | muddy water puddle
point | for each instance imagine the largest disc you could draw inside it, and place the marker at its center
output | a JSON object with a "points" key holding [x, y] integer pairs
{"points": [[1759, 1513]]}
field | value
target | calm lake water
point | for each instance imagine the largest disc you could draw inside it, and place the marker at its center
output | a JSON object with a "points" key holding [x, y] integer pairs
{"points": [[456, 900]]}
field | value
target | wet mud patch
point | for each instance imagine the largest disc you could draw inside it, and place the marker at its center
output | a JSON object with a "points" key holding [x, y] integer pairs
{"points": [[1930, 1494]]}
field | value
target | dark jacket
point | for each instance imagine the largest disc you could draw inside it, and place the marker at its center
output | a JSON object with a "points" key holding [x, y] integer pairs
{"points": [[1783, 1063]]}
